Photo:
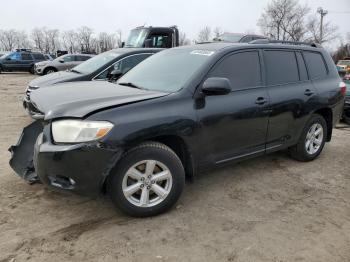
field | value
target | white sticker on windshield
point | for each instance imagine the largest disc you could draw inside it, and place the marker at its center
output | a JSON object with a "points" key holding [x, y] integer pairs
{"points": [[202, 52]]}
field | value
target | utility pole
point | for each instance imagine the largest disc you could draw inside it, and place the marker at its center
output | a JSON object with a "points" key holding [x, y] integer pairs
{"points": [[322, 13]]}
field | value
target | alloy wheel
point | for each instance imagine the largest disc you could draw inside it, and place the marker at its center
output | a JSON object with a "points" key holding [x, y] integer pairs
{"points": [[147, 183], [314, 139]]}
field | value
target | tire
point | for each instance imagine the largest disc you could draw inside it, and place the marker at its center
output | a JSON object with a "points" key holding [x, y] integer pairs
{"points": [[303, 152], [49, 70], [347, 116], [31, 70], [165, 161]]}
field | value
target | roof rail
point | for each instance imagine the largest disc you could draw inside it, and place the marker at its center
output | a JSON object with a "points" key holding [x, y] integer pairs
{"points": [[23, 50], [268, 41]]}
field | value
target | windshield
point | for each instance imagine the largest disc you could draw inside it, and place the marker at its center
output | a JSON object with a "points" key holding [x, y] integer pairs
{"points": [[136, 38], [230, 38], [344, 62], [94, 63], [167, 71]]}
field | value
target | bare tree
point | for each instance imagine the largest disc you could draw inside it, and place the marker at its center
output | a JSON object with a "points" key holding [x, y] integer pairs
{"points": [[38, 38], [51, 40], [69, 41], [313, 26], [119, 36], [85, 38], [284, 20], [217, 32], [183, 40], [204, 34], [106, 41]]}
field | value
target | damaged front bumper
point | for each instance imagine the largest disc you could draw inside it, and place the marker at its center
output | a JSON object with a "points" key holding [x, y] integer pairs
{"points": [[81, 168]]}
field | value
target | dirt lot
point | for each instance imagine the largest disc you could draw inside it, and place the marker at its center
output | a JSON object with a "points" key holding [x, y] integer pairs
{"points": [[267, 209]]}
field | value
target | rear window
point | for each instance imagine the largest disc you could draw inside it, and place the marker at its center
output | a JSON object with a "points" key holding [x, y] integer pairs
{"points": [[39, 57], [315, 64], [281, 67], [26, 56]]}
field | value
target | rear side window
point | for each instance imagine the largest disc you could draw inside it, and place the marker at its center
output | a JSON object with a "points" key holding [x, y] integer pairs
{"points": [[242, 69], [27, 56], [39, 57], [302, 67], [315, 64], [281, 67]]}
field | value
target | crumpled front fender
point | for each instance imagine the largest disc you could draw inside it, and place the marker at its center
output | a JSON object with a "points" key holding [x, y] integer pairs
{"points": [[22, 153]]}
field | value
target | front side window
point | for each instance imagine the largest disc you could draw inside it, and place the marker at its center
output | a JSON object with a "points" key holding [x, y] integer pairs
{"points": [[15, 56], [315, 64], [96, 62], [167, 71], [281, 67], [242, 69], [82, 57], [68, 58], [123, 65]]}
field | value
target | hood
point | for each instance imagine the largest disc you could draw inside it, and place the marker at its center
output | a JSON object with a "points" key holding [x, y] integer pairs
{"points": [[54, 78], [77, 99]]}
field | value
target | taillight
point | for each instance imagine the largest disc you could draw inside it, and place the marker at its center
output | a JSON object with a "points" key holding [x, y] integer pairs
{"points": [[342, 88]]}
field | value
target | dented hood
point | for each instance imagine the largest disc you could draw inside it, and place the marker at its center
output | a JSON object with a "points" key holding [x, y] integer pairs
{"points": [[78, 99]]}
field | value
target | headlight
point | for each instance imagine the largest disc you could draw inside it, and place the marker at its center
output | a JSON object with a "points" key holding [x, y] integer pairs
{"points": [[75, 131]]}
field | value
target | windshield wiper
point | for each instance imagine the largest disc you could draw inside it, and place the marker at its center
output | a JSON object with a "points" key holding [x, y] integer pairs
{"points": [[131, 85]]}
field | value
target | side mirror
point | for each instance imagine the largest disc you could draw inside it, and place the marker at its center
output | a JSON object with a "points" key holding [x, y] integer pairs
{"points": [[8, 58], [148, 43], [216, 86], [123, 44], [115, 74], [61, 60]]}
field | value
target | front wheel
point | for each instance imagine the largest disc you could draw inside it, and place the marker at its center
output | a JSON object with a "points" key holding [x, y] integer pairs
{"points": [[147, 181], [31, 70], [312, 140]]}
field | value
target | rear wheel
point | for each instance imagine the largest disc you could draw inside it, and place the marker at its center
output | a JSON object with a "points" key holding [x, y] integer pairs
{"points": [[31, 70], [148, 180], [312, 140]]}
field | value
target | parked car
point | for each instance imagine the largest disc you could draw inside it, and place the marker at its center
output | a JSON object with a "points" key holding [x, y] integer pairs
{"points": [[20, 60], [179, 112], [238, 38], [346, 114], [109, 65], [61, 63], [345, 65]]}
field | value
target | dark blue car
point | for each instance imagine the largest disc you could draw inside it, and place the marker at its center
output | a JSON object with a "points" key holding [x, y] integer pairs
{"points": [[20, 60]]}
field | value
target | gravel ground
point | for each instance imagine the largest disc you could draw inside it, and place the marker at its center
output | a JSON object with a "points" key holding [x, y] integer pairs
{"points": [[270, 208]]}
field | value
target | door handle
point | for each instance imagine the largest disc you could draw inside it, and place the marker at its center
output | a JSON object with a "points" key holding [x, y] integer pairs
{"points": [[261, 101], [308, 92]]}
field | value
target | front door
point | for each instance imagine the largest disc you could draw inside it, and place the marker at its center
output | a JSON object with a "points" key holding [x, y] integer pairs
{"points": [[235, 125]]}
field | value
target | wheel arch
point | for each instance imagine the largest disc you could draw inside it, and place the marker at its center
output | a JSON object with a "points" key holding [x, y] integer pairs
{"points": [[174, 142], [327, 114]]}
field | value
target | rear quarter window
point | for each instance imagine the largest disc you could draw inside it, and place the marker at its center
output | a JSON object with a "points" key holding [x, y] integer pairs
{"points": [[315, 64], [281, 67]]}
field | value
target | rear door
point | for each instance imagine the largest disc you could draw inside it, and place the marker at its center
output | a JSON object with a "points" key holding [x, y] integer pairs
{"points": [[290, 91], [235, 125], [26, 62]]}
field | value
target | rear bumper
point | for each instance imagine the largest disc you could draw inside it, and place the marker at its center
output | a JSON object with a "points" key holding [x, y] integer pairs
{"points": [[81, 168]]}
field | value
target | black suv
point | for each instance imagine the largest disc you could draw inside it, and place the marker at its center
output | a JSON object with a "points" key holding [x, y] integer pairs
{"points": [[176, 113], [20, 60]]}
